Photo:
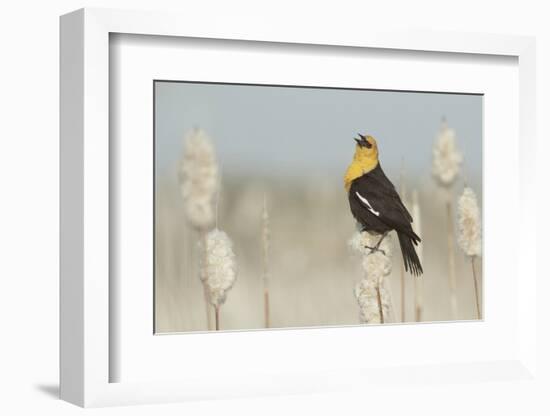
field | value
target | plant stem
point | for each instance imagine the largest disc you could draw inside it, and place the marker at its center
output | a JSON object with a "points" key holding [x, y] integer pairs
{"points": [[476, 288], [418, 288], [217, 313], [207, 306], [204, 288], [418, 299], [451, 257], [402, 293], [266, 308], [379, 299], [265, 259], [418, 314], [402, 192]]}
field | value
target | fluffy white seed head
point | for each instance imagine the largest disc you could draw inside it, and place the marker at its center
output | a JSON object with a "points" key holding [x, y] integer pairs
{"points": [[376, 265], [198, 178], [218, 269], [367, 298], [469, 223], [446, 156]]}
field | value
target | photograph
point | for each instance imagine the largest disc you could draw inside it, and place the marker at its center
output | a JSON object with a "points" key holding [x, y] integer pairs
{"points": [[282, 206]]}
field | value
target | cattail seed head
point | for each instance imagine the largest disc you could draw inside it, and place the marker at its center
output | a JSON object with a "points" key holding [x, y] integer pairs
{"points": [[469, 223], [218, 269], [373, 262], [376, 264], [446, 157], [198, 178], [367, 298]]}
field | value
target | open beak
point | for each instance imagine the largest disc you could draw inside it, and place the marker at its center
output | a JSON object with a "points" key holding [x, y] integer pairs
{"points": [[363, 142]]}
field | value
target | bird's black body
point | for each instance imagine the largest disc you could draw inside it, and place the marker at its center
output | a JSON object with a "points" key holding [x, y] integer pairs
{"points": [[377, 207]]}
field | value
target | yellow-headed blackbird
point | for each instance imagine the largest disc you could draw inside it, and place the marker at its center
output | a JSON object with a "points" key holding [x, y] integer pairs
{"points": [[375, 203]]}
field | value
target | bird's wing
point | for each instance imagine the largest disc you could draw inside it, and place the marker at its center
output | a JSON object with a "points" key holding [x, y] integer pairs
{"points": [[377, 194]]}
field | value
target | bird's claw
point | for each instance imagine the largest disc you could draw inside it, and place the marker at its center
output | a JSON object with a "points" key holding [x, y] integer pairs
{"points": [[375, 249]]}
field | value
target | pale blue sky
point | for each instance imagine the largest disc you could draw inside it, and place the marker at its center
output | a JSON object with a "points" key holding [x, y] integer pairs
{"points": [[289, 131]]}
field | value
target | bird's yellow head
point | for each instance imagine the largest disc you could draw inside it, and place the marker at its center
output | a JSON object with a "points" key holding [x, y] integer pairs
{"points": [[366, 150], [365, 159]]}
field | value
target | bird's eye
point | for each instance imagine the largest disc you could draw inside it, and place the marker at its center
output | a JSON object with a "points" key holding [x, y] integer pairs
{"points": [[368, 144]]}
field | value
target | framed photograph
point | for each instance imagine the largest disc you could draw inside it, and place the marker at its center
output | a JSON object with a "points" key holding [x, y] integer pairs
{"points": [[263, 213], [275, 162]]}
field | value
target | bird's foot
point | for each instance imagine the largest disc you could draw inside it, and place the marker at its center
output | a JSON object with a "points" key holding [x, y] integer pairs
{"points": [[377, 246], [380, 241], [375, 249]]}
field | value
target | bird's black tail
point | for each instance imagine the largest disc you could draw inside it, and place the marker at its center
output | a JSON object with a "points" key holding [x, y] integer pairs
{"points": [[410, 258]]}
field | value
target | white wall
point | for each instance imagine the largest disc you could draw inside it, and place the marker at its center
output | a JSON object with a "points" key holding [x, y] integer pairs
{"points": [[29, 207]]}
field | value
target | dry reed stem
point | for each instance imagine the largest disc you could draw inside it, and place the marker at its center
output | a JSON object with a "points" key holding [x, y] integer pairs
{"points": [[379, 300], [402, 192], [207, 307], [204, 288], [451, 257], [217, 315], [266, 308], [265, 251], [418, 301], [418, 282], [402, 270], [476, 288]]}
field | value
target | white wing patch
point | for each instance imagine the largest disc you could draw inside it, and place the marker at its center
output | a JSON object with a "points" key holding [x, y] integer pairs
{"points": [[367, 203]]}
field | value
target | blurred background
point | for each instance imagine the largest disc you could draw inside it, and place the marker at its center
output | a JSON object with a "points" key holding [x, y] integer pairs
{"points": [[293, 145]]}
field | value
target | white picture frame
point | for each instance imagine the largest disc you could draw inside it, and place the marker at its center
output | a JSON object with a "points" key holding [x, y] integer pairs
{"points": [[86, 333]]}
